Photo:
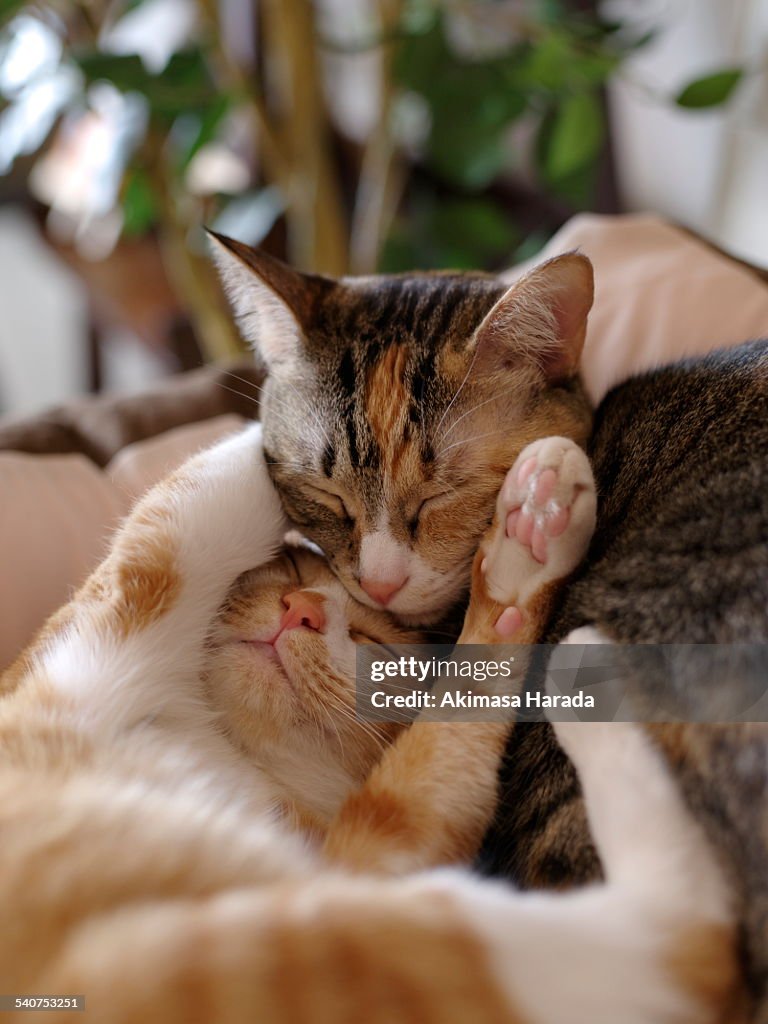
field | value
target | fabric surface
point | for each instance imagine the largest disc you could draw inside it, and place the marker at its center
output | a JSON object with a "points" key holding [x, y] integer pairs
{"points": [[660, 295], [55, 517], [57, 514]]}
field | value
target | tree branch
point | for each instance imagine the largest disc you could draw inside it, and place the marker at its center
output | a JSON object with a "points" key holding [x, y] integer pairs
{"points": [[381, 174], [316, 219]]}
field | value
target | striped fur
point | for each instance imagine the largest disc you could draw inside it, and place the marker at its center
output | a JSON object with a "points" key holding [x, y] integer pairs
{"points": [[150, 859], [395, 405], [680, 556]]}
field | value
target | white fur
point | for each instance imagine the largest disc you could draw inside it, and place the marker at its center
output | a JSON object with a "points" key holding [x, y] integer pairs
{"points": [[599, 955], [513, 574], [382, 557], [591, 957], [233, 522], [265, 321], [385, 559]]}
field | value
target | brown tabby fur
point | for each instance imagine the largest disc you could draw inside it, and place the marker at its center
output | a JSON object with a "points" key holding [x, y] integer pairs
{"points": [[398, 403], [680, 555]]}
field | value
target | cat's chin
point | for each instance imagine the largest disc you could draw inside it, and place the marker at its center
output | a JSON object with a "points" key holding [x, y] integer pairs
{"points": [[418, 610], [267, 661]]}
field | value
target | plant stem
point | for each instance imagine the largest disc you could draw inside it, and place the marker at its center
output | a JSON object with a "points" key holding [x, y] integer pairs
{"points": [[381, 173], [230, 77], [317, 228], [192, 277]]}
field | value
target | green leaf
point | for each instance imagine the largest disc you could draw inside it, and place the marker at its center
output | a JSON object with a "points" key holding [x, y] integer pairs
{"points": [[184, 85], [200, 128], [470, 103], [548, 62], [418, 16], [461, 234], [575, 136], [9, 8], [139, 203], [125, 71], [711, 90], [558, 63], [420, 57], [466, 150]]}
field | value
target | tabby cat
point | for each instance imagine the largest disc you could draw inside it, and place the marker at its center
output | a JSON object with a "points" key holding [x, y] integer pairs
{"points": [[680, 555], [392, 406], [395, 405], [161, 754]]}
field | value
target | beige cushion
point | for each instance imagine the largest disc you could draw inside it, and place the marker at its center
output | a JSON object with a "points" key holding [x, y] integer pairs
{"points": [[55, 516], [57, 513], [660, 295], [140, 465]]}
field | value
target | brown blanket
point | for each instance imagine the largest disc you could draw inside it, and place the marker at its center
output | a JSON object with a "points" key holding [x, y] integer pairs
{"points": [[100, 426]]}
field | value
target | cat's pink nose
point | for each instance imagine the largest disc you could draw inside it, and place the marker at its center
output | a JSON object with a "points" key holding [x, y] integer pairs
{"points": [[303, 608], [382, 591]]}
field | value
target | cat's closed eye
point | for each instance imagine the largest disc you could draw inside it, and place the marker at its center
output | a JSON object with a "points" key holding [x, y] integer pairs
{"points": [[333, 501], [431, 501]]}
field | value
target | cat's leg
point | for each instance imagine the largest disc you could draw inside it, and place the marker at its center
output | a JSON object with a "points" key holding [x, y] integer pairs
{"points": [[427, 802], [654, 945], [432, 796], [545, 518], [130, 643]]}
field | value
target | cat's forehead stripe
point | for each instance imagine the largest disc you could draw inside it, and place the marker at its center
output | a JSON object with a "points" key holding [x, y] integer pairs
{"points": [[382, 347], [387, 400]]}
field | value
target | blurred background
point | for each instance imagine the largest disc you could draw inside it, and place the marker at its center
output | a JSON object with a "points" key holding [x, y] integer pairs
{"points": [[346, 136]]}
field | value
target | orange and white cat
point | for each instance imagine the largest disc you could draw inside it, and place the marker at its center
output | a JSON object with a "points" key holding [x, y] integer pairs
{"points": [[195, 827]]}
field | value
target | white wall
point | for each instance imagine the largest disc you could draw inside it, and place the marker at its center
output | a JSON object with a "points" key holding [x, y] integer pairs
{"points": [[43, 321], [707, 169], [44, 328]]}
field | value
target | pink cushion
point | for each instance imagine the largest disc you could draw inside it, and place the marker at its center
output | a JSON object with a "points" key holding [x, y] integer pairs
{"points": [[138, 466], [660, 295], [57, 513], [55, 517]]}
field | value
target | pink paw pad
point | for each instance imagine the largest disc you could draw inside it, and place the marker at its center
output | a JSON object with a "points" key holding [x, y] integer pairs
{"points": [[546, 513], [539, 517], [509, 622]]}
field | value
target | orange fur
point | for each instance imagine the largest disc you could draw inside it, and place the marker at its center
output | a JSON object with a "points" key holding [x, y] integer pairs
{"points": [[144, 867], [387, 403], [704, 964]]}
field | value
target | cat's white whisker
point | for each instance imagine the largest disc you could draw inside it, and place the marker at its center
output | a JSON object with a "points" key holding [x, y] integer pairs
{"points": [[458, 391], [284, 406], [240, 394], [469, 440], [455, 423]]}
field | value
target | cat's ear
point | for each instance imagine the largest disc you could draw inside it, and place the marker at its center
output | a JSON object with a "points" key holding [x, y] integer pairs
{"points": [[542, 317], [272, 303]]}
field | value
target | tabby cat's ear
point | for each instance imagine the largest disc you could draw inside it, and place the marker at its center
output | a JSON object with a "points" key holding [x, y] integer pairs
{"points": [[272, 302], [542, 317]]}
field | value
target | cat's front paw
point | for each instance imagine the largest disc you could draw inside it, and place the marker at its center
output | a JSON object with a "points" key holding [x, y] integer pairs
{"points": [[545, 518], [220, 506]]}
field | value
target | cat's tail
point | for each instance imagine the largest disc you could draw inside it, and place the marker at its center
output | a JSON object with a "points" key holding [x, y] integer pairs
{"points": [[666, 910], [654, 944]]}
